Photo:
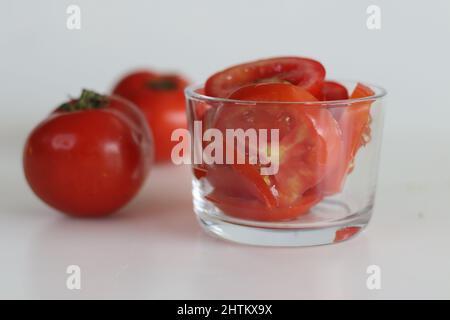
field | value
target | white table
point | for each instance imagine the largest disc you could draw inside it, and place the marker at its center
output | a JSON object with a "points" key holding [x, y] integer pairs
{"points": [[154, 248]]}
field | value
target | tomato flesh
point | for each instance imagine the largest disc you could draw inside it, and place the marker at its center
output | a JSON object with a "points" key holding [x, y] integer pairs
{"points": [[251, 209], [354, 124], [309, 138], [355, 120], [346, 233], [331, 91]]}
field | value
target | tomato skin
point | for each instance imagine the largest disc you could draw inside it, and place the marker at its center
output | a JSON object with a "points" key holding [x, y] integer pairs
{"points": [[88, 163], [133, 83], [303, 72], [272, 91], [161, 98], [331, 91]]}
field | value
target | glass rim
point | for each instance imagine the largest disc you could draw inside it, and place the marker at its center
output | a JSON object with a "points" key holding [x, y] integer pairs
{"points": [[380, 92]]}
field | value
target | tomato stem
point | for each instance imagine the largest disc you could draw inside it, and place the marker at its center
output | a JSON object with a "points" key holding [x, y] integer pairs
{"points": [[88, 100]]}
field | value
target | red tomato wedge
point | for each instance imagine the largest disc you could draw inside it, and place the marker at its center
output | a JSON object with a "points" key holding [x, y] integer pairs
{"points": [[231, 184], [357, 119], [346, 233], [331, 91], [303, 72], [354, 123], [309, 138], [254, 210]]}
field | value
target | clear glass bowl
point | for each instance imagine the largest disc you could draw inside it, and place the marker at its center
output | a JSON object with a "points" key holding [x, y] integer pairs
{"points": [[323, 191]]}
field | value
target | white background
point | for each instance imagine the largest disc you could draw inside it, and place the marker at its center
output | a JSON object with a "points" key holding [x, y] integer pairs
{"points": [[154, 248]]}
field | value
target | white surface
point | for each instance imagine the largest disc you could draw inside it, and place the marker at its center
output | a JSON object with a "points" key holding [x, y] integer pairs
{"points": [[154, 248]]}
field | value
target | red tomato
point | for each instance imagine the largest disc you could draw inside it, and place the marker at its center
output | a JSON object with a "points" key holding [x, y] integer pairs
{"points": [[355, 120], [231, 183], [309, 139], [199, 172], [331, 90], [346, 233], [205, 113], [354, 123], [161, 99], [133, 83], [303, 72], [253, 210], [89, 157]]}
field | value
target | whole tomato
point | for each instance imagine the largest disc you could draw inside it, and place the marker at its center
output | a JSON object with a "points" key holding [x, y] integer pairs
{"points": [[161, 99], [90, 156]]}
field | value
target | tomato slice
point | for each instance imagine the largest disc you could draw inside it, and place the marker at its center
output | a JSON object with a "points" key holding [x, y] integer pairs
{"points": [[261, 185], [254, 210], [230, 183], [303, 72], [354, 122], [309, 139], [199, 172], [346, 233], [331, 90], [203, 112]]}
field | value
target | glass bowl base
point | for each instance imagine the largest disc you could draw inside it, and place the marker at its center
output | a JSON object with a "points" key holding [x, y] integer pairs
{"points": [[263, 235]]}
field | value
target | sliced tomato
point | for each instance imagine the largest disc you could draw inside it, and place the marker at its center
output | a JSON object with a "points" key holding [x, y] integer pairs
{"points": [[204, 112], [254, 210], [346, 233], [309, 139], [230, 183], [354, 123], [303, 72], [252, 176], [199, 171], [199, 108], [331, 90]]}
